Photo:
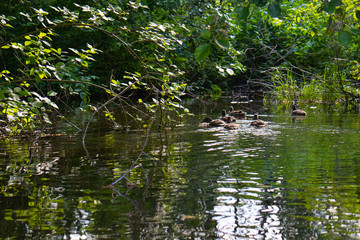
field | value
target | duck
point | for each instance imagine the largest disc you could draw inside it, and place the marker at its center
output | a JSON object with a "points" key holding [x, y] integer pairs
{"points": [[213, 123], [257, 122], [237, 114], [297, 112], [230, 125], [227, 119]]}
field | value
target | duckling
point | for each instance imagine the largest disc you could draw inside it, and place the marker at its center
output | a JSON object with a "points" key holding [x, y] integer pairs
{"points": [[213, 123], [257, 122], [297, 112], [227, 118], [231, 126], [238, 114]]}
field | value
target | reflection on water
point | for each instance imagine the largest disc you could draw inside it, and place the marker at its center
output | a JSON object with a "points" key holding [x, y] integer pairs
{"points": [[240, 210], [289, 180]]}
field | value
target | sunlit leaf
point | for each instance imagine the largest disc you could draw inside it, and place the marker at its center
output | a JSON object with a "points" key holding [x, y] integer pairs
{"points": [[46, 50], [10, 118], [41, 35], [202, 52], [162, 28], [51, 93], [357, 15], [230, 71]]}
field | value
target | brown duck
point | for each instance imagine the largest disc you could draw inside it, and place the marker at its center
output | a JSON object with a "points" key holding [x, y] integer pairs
{"points": [[213, 123], [237, 114], [257, 122], [297, 112], [227, 118], [231, 125]]}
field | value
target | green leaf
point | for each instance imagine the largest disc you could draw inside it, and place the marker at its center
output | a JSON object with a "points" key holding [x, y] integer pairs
{"points": [[83, 95], [355, 31], [202, 52], [357, 15], [337, 3], [243, 12], [41, 35], [205, 34], [330, 7], [60, 65], [345, 38], [274, 10], [2, 95], [27, 43], [84, 63], [222, 43], [47, 51], [5, 47], [37, 78], [30, 60], [24, 93], [261, 3]]}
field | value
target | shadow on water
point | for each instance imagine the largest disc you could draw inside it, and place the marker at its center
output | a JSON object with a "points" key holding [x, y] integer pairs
{"points": [[293, 179]]}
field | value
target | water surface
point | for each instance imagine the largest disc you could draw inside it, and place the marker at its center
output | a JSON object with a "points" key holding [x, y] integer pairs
{"points": [[290, 180]]}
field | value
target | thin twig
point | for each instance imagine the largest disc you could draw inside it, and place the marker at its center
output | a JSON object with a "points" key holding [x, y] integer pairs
{"points": [[141, 153], [106, 103]]}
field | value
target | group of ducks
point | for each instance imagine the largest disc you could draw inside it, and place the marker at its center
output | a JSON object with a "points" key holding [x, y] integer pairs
{"points": [[228, 121]]}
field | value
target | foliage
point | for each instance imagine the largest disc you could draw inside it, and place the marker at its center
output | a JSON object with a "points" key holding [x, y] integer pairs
{"points": [[150, 53], [60, 74], [320, 39]]}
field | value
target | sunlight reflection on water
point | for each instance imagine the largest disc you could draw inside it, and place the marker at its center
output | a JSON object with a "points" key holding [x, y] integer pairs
{"points": [[240, 212], [249, 218]]}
